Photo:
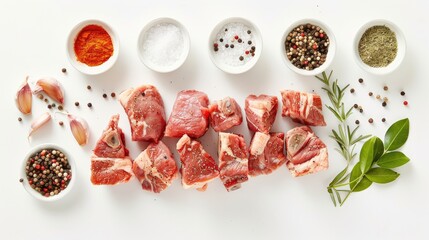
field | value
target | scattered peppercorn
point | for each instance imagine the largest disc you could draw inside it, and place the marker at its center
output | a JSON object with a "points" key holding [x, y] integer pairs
{"points": [[239, 40], [249, 32], [40, 96], [378, 96], [352, 90], [357, 121], [88, 87], [227, 45], [370, 94], [384, 104], [253, 48], [221, 40], [226, 29], [104, 95], [360, 80], [54, 105], [232, 46], [385, 88], [361, 110], [113, 94], [20, 119], [61, 123], [46, 100], [355, 105], [405, 103], [249, 42], [89, 105], [49, 106], [64, 70], [402, 93], [383, 120], [21, 180], [60, 107], [370, 120], [241, 58], [76, 104], [385, 99]]}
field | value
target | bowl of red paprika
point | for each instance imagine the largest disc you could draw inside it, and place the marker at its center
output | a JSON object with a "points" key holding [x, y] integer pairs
{"points": [[92, 47]]}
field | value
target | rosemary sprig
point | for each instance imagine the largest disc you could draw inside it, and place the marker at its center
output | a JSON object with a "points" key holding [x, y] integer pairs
{"points": [[345, 137]]}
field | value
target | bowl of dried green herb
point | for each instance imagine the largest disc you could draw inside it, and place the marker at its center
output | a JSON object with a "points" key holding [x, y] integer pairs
{"points": [[379, 47]]}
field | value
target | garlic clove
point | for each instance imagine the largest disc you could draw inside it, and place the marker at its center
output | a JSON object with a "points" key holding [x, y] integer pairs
{"points": [[79, 129], [51, 87], [39, 122], [23, 98]]}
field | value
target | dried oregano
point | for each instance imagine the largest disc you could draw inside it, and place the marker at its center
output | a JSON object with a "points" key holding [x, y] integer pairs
{"points": [[378, 46]]}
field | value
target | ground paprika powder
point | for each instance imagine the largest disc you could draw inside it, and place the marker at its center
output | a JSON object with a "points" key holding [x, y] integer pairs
{"points": [[93, 45]]}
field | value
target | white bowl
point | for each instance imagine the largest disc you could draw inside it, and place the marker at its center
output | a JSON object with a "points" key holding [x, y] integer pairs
{"points": [[257, 40], [156, 67], [33, 192], [331, 49], [82, 67], [399, 56]]}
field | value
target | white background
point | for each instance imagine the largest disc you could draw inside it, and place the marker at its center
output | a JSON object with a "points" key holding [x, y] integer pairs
{"points": [[277, 206]]}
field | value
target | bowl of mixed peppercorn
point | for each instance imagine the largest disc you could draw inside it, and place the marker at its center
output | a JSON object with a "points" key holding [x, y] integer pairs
{"points": [[308, 47], [48, 173]]}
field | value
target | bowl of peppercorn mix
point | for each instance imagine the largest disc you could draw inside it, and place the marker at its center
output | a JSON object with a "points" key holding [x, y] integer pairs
{"points": [[92, 47], [308, 47], [48, 173], [379, 47]]}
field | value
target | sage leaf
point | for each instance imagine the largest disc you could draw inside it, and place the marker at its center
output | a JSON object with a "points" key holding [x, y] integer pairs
{"points": [[381, 175], [392, 160], [397, 134], [370, 152]]}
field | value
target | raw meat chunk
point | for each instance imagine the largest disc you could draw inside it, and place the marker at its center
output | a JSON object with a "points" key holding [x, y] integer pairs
{"points": [[260, 112], [190, 115], [306, 153], [266, 153], [145, 110], [112, 142], [198, 167], [233, 162], [110, 163], [305, 108], [155, 167], [110, 171], [225, 114]]}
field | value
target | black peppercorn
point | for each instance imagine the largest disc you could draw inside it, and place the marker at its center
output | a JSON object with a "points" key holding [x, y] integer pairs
{"points": [[49, 106], [21, 180], [370, 94], [352, 90], [64, 70], [88, 87], [232, 46], [20, 119], [60, 107], [370, 120], [402, 93], [241, 58], [355, 105], [357, 121], [239, 40], [113, 94], [383, 120], [76, 104], [61, 123], [384, 104], [249, 32], [361, 110], [249, 42], [104, 95], [89, 105], [360, 80], [385, 88], [227, 45], [221, 40]]}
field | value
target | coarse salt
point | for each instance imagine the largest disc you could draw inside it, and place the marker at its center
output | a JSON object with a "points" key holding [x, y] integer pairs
{"points": [[241, 53], [163, 44]]}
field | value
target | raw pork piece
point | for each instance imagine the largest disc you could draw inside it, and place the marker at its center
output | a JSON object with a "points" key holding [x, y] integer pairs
{"points": [[305, 108], [266, 153], [155, 167], [190, 115], [198, 167], [260, 112], [110, 163], [233, 167], [225, 114], [145, 110], [306, 153]]}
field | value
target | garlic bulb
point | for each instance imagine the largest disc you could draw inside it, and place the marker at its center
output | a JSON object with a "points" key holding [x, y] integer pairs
{"points": [[51, 87], [79, 129], [23, 98], [39, 122]]}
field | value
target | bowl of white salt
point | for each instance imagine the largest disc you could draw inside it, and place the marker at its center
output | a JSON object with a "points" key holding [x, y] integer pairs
{"points": [[235, 45], [163, 45]]}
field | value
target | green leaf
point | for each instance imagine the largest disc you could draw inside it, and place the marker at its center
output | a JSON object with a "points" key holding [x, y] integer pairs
{"points": [[370, 152], [381, 175], [397, 134], [363, 184], [392, 160]]}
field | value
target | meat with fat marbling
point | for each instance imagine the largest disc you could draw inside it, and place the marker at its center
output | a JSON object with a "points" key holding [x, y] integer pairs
{"points": [[225, 114], [261, 112], [305, 108], [146, 114], [198, 167], [190, 115], [233, 161], [306, 153], [266, 153]]}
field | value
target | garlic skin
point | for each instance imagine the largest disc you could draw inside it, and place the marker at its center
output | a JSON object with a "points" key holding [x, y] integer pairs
{"points": [[24, 98], [79, 129], [51, 87], [39, 122]]}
